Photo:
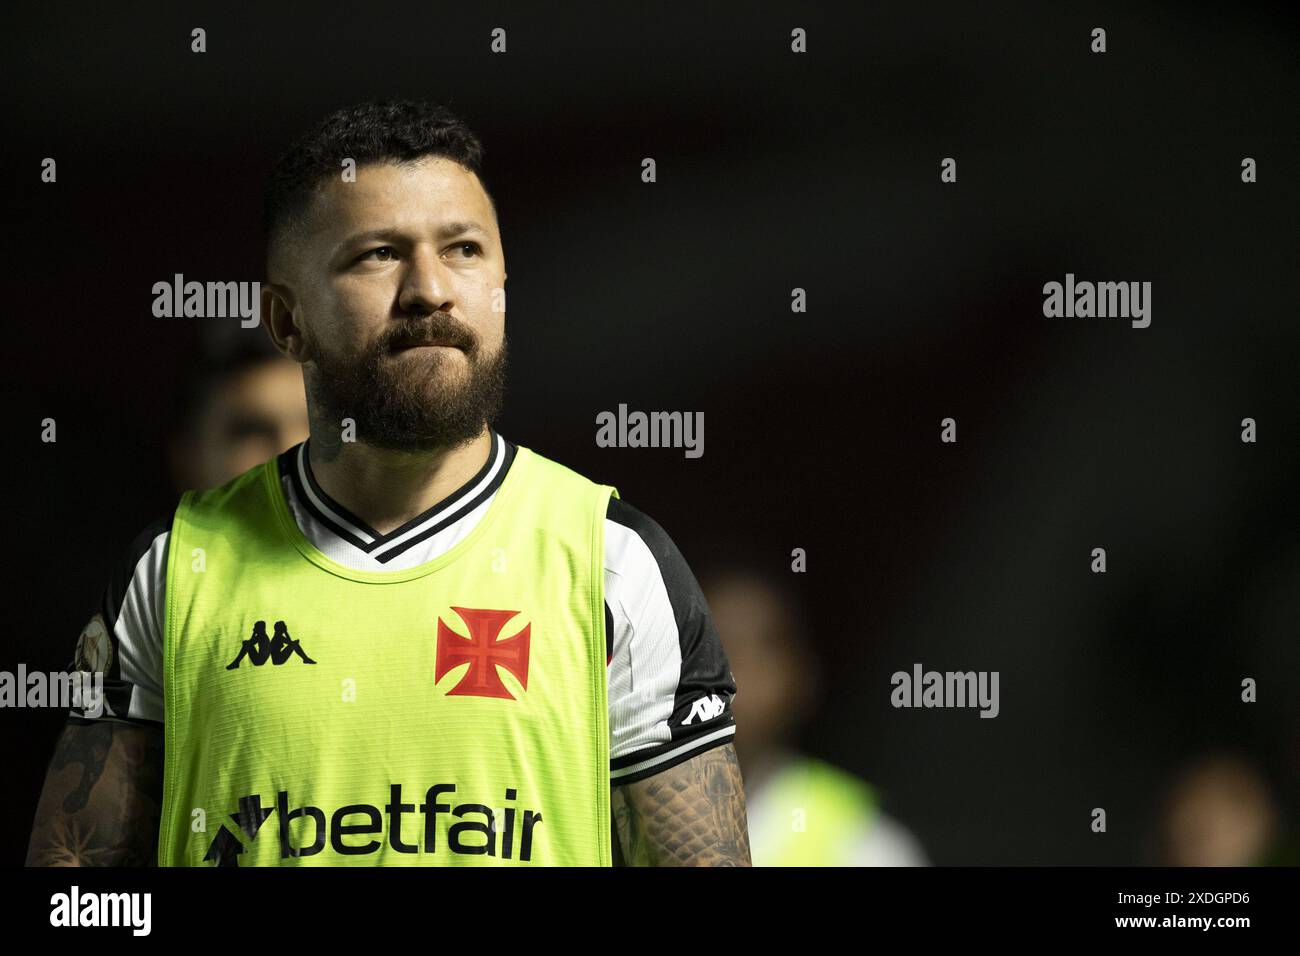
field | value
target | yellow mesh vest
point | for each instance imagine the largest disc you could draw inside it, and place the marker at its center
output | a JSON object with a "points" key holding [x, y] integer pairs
{"points": [[814, 811], [451, 714]]}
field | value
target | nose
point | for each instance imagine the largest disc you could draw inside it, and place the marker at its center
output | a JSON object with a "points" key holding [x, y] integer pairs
{"points": [[425, 286]]}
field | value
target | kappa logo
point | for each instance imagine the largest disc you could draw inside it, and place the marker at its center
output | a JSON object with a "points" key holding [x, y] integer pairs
{"points": [[706, 708], [259, 648], [483, 652]]}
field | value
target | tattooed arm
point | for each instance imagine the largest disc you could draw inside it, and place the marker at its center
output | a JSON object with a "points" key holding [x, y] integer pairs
{"points": [[102, 798], [692, 814]]}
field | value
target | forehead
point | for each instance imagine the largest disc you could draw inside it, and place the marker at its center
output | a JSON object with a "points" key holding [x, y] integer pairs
{"points": [[268, 384], [746, 611], [417, 195]]}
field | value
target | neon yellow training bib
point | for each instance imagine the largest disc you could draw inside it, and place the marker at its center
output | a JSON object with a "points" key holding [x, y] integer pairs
{"points": [[815, 812], [452, 714]]}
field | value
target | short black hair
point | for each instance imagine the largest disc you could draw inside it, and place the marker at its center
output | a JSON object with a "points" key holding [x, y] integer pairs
{"points": [[396, 131]]}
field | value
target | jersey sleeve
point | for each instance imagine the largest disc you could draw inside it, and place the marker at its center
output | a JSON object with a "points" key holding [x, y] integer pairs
{"points": [[123, 639], [670, 685]]}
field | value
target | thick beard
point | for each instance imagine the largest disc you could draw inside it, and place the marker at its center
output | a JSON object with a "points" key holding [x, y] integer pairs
{"points": [[410, 408]]}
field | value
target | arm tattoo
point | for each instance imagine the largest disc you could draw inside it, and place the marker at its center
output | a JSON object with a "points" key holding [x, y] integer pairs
{"points": [[101, 802], [689, 815]]}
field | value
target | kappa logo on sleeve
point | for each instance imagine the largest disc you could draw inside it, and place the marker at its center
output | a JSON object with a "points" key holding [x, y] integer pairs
{"points": [[258, 648], [483, 652], [706, 708]]}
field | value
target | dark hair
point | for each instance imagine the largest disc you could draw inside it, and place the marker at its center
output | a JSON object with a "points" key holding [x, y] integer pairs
{"points": [[398, 131]]}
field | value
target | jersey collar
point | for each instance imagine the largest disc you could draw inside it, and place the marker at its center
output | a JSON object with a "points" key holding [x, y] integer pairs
{"points": [[385, 547]]}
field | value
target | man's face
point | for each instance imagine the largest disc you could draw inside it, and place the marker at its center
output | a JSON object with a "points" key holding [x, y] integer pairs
{"points": [[770, 676], [250, 417], [397, 283]]}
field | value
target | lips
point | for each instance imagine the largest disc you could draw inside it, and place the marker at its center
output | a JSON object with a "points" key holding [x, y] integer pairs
{"points": [[424, 345]]}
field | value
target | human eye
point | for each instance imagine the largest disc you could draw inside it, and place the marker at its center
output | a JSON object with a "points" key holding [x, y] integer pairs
{"points": [[477, 249], [378, 254]]}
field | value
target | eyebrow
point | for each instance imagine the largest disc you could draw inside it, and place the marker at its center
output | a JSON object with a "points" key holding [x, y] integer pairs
{"points": [[447, 231], [452, 229]]}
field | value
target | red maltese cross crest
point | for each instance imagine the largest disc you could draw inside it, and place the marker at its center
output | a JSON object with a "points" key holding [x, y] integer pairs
{"points": [[483, 652]]}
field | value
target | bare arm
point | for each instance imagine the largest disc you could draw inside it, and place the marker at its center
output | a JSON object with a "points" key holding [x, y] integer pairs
{"points": [[102, 797], [692, 814]]}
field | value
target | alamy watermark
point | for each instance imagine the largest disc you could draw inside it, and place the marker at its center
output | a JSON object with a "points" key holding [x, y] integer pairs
{"points": [[922, 688], [67, 690], [1086, 300], [75, 908], [208, 300], [626, 429]]}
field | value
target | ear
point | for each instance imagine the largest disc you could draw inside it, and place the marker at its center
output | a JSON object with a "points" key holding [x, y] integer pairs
{"points": [[280, 323]]}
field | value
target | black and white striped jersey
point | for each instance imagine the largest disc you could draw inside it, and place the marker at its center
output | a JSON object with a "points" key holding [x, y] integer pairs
{"points": [[670, 686]]}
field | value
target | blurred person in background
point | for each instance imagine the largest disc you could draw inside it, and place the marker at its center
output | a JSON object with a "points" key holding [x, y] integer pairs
{"points": [[243, 408], [1220, 812], [802, 811]]}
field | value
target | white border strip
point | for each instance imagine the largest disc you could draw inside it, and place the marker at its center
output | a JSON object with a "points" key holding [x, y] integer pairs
{"points": [[694, 742]]}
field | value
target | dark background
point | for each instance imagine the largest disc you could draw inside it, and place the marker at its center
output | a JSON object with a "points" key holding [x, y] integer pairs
{"points": [[819, 171]]}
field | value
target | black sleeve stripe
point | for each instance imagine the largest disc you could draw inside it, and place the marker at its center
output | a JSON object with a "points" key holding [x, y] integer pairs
{"points": [[134, 721], [705, 670], [639, 766], [609, 634], [654, 754], [118, 693], [124, 570]]}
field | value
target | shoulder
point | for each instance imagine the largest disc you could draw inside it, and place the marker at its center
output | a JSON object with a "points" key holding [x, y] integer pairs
{"points": [[821, 773], [636, 543], [123, 639], [249, 484], [889, 843], [649, 580], [137, 565], [670, 683], [548, 470]]}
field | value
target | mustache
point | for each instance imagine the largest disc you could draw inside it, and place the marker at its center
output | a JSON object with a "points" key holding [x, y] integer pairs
{"points": [[438, 328]]}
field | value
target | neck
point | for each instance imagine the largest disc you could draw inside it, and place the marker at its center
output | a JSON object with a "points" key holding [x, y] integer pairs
{"points": [[387, 488]]}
